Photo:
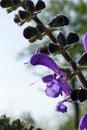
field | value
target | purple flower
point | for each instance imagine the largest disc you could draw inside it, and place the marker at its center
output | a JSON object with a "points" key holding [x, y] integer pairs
{"points": [[85, 42], [56, 83], [83, 122], [53, 86], [61, 107]]}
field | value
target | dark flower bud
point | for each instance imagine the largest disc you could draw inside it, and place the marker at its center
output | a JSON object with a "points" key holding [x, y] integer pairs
{"points": [[82, 95], [30, 32], [74, 94], [59, 20], [29, 6], [6, 3], [43, 49], [72, 38], [83, 60], [38, 129], [40, 5], [9, 3], [53, 48], [23, 14], [61, 39], [17, 19]]}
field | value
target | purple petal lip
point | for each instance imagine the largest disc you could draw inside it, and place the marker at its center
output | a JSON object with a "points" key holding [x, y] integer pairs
{"points": [[53, 89], [47, 78], [83, 122], [85, 42], [61, 108], [42, 59]]}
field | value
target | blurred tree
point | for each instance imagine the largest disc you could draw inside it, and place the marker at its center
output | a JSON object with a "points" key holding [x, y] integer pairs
{"points": [[69, 125], [28, 118]]}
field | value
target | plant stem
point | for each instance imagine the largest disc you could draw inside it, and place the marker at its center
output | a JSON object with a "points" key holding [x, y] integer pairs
{"points": [[38, 21], [47, 28], [72, 64]]}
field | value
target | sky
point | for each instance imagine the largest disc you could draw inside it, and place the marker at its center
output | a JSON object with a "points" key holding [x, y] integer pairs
{"points": [[16, 94]]}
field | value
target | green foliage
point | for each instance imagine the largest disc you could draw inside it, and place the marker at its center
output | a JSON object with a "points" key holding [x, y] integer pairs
{"points": [[28, 124], [69, 125]]}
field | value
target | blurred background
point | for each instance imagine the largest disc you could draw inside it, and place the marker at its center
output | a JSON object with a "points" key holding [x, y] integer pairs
{"points": [[20, 99]]}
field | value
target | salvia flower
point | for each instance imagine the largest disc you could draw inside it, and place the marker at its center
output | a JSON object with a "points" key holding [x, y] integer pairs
{"points": [[83, 122], [61, 107], [85, 42], [56, 83]]}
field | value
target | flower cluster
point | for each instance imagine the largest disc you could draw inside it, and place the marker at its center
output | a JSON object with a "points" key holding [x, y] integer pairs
{"points": [[58, 82]]}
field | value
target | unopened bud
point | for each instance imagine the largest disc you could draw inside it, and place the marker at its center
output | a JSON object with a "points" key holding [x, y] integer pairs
{"points": [[23, 14], [72, 38], [29, 6], [6, 3], [53, 48], [61, 39], [40, 5], [29, 32], [83, 60], [59, 20]]}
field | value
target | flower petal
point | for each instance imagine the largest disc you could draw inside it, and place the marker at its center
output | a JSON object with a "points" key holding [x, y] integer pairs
{"points": [[85, 42], [50, 92], [83, 122], [47, 78], [53, 89], [61, 107], [42, 59], [66, 88]]}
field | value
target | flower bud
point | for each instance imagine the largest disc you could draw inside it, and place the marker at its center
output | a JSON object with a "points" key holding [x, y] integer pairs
{"points": [[6, 3], [29, 6], [30, 32], [83, 60], [61, 39], [74, 94], [38, 129], [9, 3], [23, 14], [53, 48], [43, 49], [82, 95], [40, 5], [72, 38], [17, 19], [59, 20]]}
